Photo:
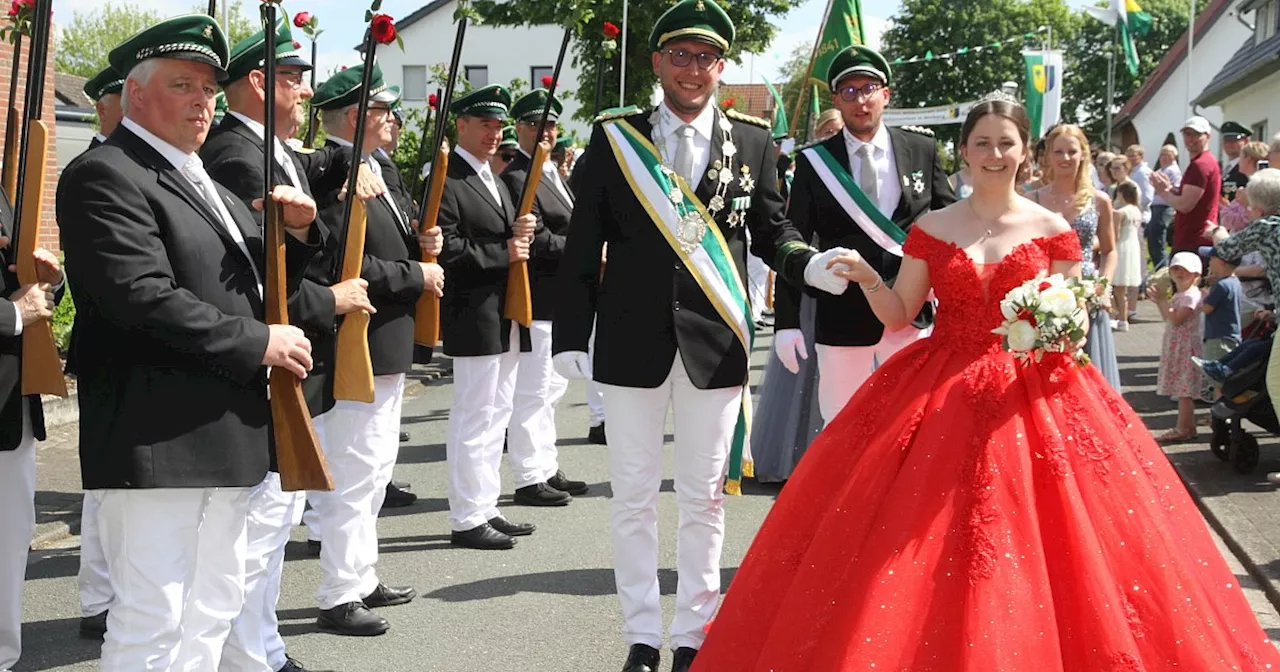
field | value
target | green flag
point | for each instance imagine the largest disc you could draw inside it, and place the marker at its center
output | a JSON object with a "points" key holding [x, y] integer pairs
{"points": [[1131, 20], [817, 106], [843, 29], [1043, 90], [780, 127]]}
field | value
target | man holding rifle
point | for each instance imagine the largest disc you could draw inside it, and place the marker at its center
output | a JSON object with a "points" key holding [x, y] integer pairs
{"points": [[173, 352], [360, 439], [532, 431]]}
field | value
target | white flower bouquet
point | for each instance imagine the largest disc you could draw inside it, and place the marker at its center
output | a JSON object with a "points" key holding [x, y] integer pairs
{"points": [[1095, 289], [1046, 314]]}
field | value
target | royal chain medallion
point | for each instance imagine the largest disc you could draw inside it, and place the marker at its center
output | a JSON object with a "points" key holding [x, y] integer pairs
{"points": [[692, 226]]}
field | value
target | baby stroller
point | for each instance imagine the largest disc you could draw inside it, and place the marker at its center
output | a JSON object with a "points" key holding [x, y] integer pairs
{"points": [[1244, 397]]}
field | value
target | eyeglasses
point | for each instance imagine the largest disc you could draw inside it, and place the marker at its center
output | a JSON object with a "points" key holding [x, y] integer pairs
{"points": [[379, 111], [851, 93], [682, 57], [292, 79], [507, 156]]}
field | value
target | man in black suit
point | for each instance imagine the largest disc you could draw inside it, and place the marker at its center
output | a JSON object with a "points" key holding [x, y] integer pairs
{"points": [[860, 189], [532, 431], [673, 322], [482, 237], [361, 440], [173, 351], [95, 585]]}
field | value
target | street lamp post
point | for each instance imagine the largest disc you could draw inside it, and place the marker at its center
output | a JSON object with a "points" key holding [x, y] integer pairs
{"points": [[1111, 89]]}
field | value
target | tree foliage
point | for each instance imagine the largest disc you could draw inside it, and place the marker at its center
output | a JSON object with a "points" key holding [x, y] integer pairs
{"points": [[83, 45], [751, 17]]}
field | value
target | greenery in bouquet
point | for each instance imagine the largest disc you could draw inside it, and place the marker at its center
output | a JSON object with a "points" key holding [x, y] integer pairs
{"points": [[1044, 314], [1095, 291]]}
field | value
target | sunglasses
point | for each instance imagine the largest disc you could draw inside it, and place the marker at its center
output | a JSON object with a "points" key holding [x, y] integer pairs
{"points": [[851, 93], [507, 156], [682, 57]]}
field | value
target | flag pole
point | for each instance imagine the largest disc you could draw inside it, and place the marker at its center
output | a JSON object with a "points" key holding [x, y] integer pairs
{"points": [[1191, 38], [622, 60], [808, 71]]}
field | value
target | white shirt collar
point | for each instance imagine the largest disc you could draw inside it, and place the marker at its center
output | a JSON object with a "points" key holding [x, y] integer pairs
{"points": [[703, 124], [253, 125], [481, 167], [100, 137], [172, 154], [880, 140]]}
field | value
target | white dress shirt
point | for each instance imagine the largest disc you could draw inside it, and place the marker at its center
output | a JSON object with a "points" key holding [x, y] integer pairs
{"points": [[703, 128], [550, 172], [888, 188], [1141, 176], [282, 157], [484, 171], [192, 168]]}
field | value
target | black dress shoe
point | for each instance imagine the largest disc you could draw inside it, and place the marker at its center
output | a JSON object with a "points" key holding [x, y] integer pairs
{"points": [[512, 529], [642, 658], [683, 659], [396, 497], [94, 627], [563, 484], [386, 596], [483, 538], [353, 619], [404, 437], [291, 665], [596, 435], [541, 494]]}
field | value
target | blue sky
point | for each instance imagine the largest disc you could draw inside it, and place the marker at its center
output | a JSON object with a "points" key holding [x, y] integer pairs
{"points": [[343, 25]]}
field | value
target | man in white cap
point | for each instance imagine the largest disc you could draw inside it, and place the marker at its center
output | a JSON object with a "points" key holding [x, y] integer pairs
{"points": [[1195, 201]]}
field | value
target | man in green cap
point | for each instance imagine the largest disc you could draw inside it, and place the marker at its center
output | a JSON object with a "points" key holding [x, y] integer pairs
{"points": [[1234, 137], [172, 351], [482, 238], [361, 440], [860, 189], [672, 322], [507, 150], [531, 434], [104, 91]]}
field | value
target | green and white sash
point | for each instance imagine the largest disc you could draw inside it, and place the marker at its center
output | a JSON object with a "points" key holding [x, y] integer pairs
{"points": [[855, 202], [668, 199]]}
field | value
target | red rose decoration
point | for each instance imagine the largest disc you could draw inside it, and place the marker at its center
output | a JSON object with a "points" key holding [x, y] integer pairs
{"points": [[546, 81], [301, 19], [611, 31], [384, 28], [297, 44], [433, 100], [1045, 285]]}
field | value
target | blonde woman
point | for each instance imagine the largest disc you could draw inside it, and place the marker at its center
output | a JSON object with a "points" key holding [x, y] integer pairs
{"points": [[829, 123], [1068, 190]]}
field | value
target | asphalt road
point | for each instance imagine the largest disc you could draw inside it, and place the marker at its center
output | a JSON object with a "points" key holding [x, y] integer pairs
{"points": [[546, 605]]}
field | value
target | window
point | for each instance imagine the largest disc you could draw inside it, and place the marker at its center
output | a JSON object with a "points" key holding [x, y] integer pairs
{"points": [[477, 75], [537, 72], [1260, 131], [415, 82], [1265, 20]]}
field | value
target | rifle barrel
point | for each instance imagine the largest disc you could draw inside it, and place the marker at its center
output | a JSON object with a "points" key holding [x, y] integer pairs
{"points": [[357, 144], [442, 116]]}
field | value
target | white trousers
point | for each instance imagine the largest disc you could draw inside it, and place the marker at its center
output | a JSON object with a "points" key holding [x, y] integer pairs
{"points": [[17, 524], [595, 398], [255, 644], [842, 370], [704, 422], [95, 583], [176, 561], [361, 442], [483, 391], [531, 434]]}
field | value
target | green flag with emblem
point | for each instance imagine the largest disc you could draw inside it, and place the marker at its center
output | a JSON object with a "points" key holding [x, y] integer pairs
{"points": [[843, 29]]}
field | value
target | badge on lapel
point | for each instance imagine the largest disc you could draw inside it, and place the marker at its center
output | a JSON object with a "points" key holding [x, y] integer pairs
{"points": [[738, 211], [917, 181], [747, 183]]}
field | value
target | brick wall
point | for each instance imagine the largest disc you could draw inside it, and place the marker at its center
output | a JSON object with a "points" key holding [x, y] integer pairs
{"points": [[49, 226]]}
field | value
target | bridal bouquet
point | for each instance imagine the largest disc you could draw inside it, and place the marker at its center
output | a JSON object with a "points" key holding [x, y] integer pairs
{"points": [[1046, 314], [1095, 290]]}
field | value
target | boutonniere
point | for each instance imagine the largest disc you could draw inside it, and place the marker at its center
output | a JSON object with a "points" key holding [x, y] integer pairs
{"points": [[917, 181]]}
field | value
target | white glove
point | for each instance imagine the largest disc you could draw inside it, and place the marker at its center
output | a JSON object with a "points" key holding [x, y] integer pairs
{"points": [[572, 364], [789, 343], [818, 276]]}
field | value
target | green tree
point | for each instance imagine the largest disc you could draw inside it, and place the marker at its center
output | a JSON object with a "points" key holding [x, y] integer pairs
{"points": [[83, 46], [751, 18]]}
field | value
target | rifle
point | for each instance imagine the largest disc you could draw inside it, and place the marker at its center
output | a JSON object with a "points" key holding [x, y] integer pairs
{"points": [[353, 367], [313, 113], [11, 127], [41, 367], [426, 320], [428, 130], [299, 457], [519, 305]]}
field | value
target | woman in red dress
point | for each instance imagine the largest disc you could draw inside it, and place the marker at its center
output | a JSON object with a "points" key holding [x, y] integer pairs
{"points": [[967, 511]]}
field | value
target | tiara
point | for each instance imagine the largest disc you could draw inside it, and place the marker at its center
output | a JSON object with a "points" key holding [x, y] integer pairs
{"points": [[999, 96]]}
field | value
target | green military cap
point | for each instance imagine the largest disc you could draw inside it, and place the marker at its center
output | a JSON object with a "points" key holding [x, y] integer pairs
{"points": [[694, 19], [104, 83], [194, 37], [250, 53], [1234, 131], [565, 143], [858, 60], [220, 105], [508, 138], [529, 107], [343, 89], [491, 102]]}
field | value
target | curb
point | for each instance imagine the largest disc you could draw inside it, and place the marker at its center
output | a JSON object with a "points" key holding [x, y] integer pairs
{"points": [[1266, 583], [59, 411]]}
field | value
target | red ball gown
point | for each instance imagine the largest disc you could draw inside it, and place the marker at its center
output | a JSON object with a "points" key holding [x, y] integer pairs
{"points": [[966, 512]]}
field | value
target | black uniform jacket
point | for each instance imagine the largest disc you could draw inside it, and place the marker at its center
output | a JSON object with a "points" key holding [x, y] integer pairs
{"points": [[553, 211]]}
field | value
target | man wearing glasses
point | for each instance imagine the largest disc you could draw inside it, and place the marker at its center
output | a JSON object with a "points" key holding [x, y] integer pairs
{"points": [[673, 191], [861, 189]]}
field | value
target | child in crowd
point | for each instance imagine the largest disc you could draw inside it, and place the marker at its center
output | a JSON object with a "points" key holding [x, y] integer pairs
{"points": [[1221, 306], [1178, 377], [1128, 275]]}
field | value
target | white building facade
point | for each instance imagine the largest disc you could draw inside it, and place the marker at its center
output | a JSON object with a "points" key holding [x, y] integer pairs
{"points": [[1247, 89]]}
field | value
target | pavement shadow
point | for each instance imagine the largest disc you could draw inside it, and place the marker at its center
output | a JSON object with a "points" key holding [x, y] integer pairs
{"points": [[59, 507], [53, 564], [54, 644], [421, 505], [421, 454], [595, 582], [426, 542], [437, 415]]}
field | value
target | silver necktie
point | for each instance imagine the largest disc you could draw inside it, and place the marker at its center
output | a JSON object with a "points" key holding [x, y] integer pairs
{"points": [[684, 153], [867, 174]]}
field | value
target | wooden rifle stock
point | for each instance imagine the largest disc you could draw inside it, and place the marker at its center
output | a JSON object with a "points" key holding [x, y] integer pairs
{"points": [[353, 368], [519, 305], [426, 321], [41, 367]]}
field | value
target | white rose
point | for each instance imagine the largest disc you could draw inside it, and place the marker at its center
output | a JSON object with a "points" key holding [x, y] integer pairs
{"points": [[1022, 336], [1058, 301], [1008, 310]]}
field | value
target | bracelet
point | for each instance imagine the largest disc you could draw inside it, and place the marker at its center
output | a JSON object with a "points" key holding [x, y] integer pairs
{"points": [[875, 287]]}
